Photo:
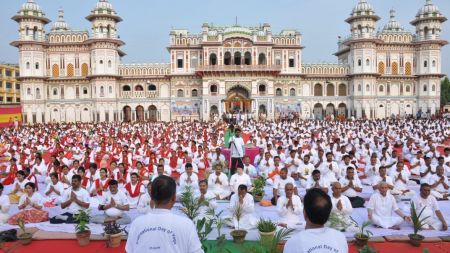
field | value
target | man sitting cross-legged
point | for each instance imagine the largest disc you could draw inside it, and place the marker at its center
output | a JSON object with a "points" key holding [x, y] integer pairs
{"points": [[425, 200], [380, 208], [74, 199], [115, 205], [289, 207]]}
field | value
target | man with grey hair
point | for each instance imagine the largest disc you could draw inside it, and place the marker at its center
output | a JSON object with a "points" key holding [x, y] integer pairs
{"points": [[289, 207], [342, 207], [381, 206]]}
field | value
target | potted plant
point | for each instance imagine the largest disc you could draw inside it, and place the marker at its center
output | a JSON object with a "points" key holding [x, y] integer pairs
{"points": [[113, 233], [24, 237], [418, 222], [238, 234], [279, 239], [258, 188], [367, 249], [363, 235], [81, 227], [267, 229]]}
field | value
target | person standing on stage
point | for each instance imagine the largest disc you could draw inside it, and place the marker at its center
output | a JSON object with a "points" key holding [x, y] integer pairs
{"points": [[237, 150]]}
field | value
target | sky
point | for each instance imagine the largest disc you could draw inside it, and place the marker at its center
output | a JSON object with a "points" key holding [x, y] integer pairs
{"points": [[147, 23]]}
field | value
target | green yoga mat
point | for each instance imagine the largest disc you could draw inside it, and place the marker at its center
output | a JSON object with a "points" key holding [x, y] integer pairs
{"points": [[231, 247]]}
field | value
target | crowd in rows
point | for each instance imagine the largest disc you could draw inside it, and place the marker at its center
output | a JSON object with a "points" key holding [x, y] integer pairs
{"points": [[110, 167]]}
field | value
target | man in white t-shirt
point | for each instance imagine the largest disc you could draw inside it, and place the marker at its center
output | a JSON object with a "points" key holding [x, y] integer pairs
{"points": [[279, 183], [115, 205], [317, 209], [237, 150], [239, 178], [161, 230], [428, 203], [73, 200]]}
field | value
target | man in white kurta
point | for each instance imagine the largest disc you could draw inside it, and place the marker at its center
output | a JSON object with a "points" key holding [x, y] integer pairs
{"points": [[289, 207], [330, 169], [115, 206], [246, 202], [381, 207], [206, 198], [425, 200], [145, 204], [218, 183], [239, 178], [401, 175], [342, 207], [439, 184]]}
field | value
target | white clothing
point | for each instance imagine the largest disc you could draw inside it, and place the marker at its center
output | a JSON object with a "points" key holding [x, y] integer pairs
{"points": [[280, 184], [120, 198], [330, 174], [53, 197], [223, 189], [162, 231], [347, 208], [320, 240], [35, 199], [323, 183], [184, 178], [143, 206], [248, 220], [383, 208], [81, 194], [350, 192], [290, 216], [237, 147], [237, 180], [4, 208], [431, 206]]}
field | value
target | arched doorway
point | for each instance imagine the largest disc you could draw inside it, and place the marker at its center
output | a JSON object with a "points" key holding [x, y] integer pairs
{"points": [[153, 113], [342, 110], [85, 116], [55, 117], [318, 111], [140, 114], [238, 100], [127, 114], [408, 110], [262, 112], [329, 109], [213, 111], [381, 112]]}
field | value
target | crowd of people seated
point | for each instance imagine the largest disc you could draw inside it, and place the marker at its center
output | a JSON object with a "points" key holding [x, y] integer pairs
{"points": [[110, 167]]}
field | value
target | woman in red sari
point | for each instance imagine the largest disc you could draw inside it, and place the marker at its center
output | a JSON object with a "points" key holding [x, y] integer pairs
{"points": [[31, 204]]}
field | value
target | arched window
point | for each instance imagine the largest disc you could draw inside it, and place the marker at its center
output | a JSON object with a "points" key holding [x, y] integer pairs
{"points": [[36, 65], [138, 88], [84, 70], [213, 89], [237, 58], [292, 92], [38, 93], [109, 64], [433, 64], [85, 91], [408, 88], [408, 69], [262, 89], [55, 70], [151, 87], [70, 70], [318, 90], [28, 91], [425, 87], [278, 92], [359, 87], [433, 87], [180, 93], [367, 62], [262, 59], [359, 63], [110, 90], [213, 59], [102, 91], [367, 88], [394, 68], [227, 58], [381, 68], [28, 65], [381, 88], [194, 93], [126, 88], [247, 58], [330, 89], [342, 90], [425, 64], [55, 91]]}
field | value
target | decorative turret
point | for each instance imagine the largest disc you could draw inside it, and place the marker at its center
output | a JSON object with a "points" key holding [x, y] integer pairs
{"points": [[31, 21], [428, 22], [60, 25], [104, 20], [362, 20], [393, 26]]}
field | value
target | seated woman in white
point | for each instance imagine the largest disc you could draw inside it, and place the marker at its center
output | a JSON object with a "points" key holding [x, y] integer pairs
{"points": [[145, 204], [100, 186], [4, 206], [245, 201], [431, 209], [54, 190], [115, 205], [18, 188], [39, 169], [289, 207], [400, 175], [30, 204], [381, 207], [218, 183]]}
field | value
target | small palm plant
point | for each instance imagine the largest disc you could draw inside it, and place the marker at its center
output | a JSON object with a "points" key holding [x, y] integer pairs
{"points": [[363, 235], [237, 234], [418, 224]]}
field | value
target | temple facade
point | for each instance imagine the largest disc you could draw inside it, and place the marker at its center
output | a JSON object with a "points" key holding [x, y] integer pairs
{"points": [[70, 75]]}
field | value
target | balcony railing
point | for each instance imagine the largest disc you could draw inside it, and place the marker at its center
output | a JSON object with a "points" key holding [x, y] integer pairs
{"points": [[139, 94], [239, 68]]}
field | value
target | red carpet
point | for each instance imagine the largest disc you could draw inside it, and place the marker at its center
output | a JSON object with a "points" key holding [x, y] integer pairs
{"points": [[71, 246]]}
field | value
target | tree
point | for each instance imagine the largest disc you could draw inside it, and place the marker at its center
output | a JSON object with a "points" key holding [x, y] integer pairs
{"points": [[445, 91]]}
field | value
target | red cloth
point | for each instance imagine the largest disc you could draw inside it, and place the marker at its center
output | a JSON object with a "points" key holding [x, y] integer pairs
{"points": [[137, 190]]}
